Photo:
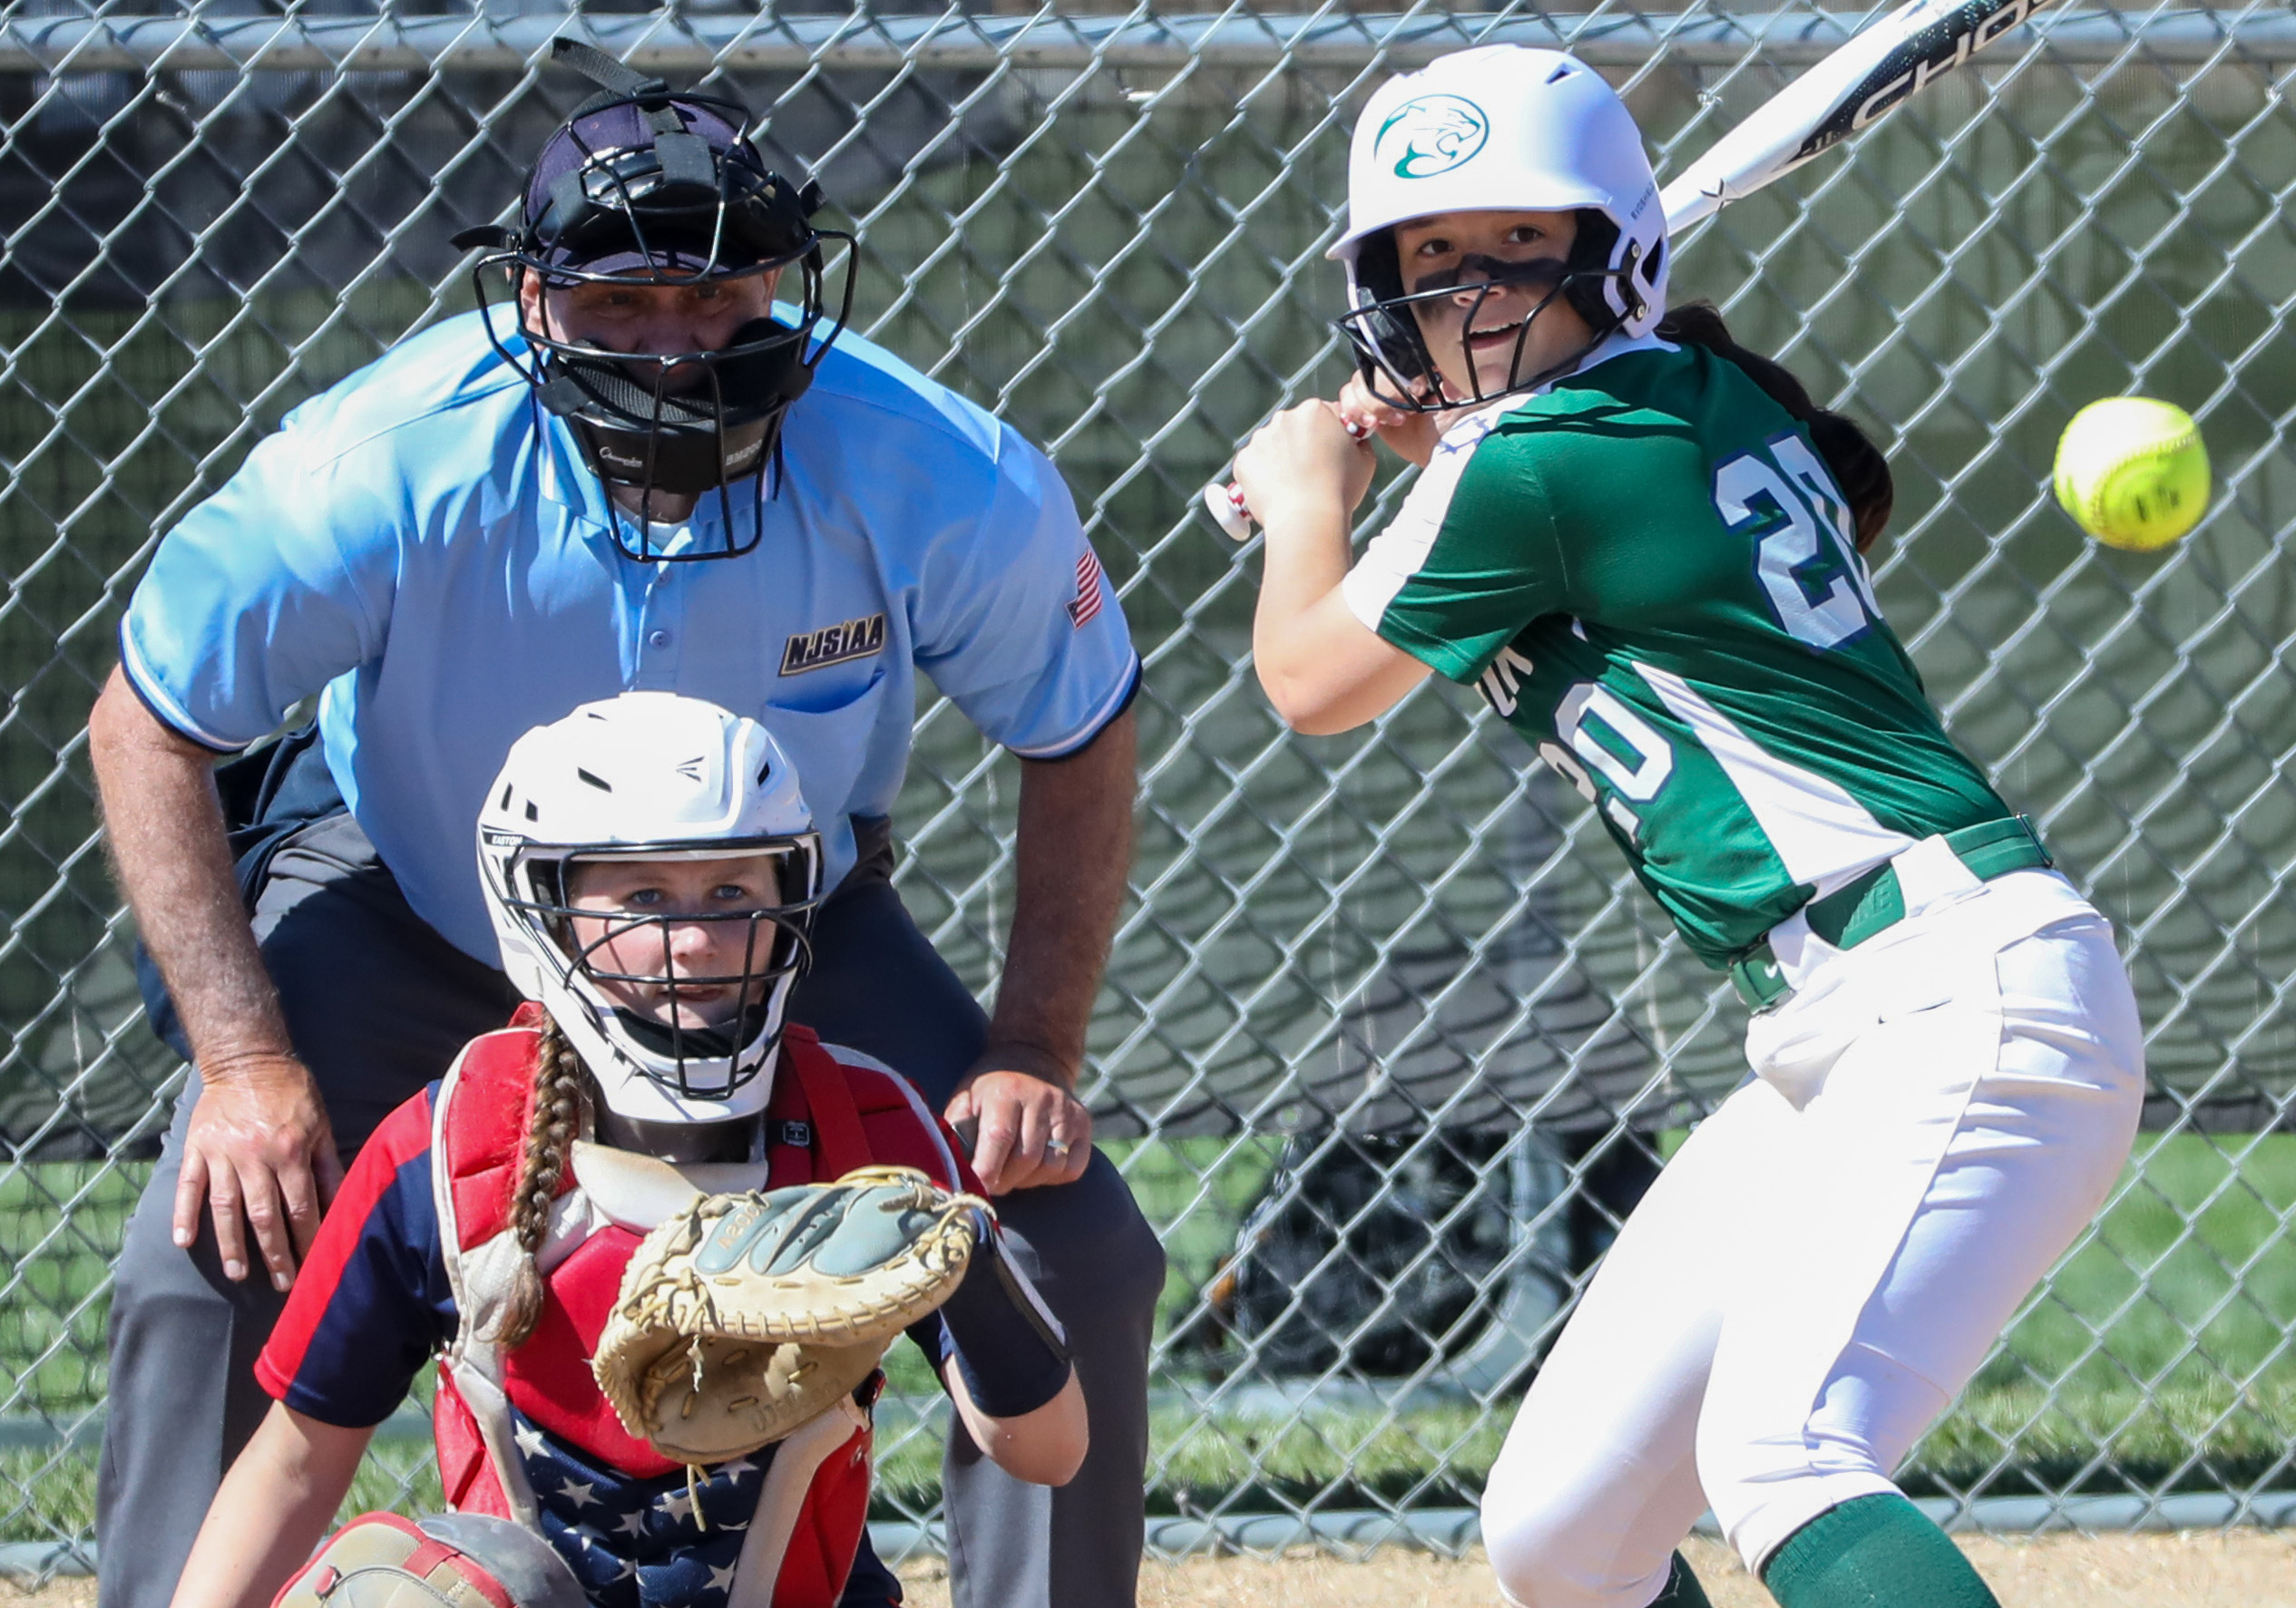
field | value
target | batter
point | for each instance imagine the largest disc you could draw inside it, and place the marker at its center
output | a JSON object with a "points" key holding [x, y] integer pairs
{"points": [[1643, 544]]}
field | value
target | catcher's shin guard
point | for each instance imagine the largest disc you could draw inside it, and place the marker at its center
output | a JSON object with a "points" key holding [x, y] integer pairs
{"points": [[449, 1560]]}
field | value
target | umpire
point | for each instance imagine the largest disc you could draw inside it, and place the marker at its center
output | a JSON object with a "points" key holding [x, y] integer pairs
{"points": [[639, 472]]}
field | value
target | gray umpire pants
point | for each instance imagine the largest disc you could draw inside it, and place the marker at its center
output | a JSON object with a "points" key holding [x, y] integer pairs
{"points": [[378, 1004]]}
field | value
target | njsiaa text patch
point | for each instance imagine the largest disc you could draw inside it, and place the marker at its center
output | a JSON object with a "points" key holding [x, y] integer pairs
{"points": [[832, 645]]}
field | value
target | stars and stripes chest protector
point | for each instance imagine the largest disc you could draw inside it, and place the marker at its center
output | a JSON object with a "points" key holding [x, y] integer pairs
{"points": [[525, 1434]]}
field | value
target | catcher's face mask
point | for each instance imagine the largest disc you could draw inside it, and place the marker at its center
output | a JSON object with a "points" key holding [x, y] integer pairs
{"points": [[651, 870], [646, 188], [688, 953], [689, 945]]}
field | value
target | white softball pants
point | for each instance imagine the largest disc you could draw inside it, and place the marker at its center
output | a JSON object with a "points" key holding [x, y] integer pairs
{"points": [[1936, 1115]]}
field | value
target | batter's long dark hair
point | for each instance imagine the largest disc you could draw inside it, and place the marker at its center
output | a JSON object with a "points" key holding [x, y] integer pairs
{"points": [[1858, 468]]}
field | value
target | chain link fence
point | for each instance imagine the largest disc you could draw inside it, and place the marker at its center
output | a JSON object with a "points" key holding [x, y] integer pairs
{"points": [[1389, 1042]]}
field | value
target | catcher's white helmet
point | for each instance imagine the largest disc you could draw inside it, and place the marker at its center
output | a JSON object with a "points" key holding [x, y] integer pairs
{"points": [[1501, 128], [652, 776]]}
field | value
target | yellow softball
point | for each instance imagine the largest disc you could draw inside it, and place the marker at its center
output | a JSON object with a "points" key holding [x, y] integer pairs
{"points": [[2132, 472]]}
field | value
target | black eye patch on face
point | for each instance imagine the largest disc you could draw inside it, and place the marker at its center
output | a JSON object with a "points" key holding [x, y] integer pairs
{"points": [[1546, 272]]}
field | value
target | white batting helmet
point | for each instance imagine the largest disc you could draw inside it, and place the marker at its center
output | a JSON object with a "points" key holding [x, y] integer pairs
{"points": [[1502, 128], [652, 775]]}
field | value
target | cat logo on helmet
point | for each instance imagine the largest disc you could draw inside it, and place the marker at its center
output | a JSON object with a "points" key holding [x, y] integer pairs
{"points": [[1431, 134]]}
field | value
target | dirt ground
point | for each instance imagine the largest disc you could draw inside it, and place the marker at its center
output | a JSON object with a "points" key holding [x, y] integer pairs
{"points": [[2247, 1568], [2240, 1569]]}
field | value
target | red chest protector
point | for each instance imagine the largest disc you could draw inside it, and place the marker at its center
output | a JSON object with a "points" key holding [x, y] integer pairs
{"points": [[827, 1117]]}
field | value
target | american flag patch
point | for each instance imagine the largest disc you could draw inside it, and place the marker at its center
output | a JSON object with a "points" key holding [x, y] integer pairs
{"points": [[1086, 604]]}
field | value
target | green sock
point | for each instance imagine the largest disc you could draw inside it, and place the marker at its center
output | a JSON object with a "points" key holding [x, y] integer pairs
{"points": [[1683, 1590], [1876, 1552]]}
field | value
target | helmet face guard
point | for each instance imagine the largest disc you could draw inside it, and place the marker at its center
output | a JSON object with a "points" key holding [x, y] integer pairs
{"points": [[1497, 128], [665, 794], [657, 188], [633, 959], [1391, 349]]}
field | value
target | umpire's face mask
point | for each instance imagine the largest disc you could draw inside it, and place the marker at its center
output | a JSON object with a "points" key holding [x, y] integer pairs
{"points": [[671, 388], [652, 239]]}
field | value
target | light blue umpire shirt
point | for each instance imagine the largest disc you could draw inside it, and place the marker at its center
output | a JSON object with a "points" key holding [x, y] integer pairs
{"points": [[423, 546]]}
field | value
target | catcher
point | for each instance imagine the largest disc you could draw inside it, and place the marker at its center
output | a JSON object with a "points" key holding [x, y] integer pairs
{"points": [[617, 1225]]}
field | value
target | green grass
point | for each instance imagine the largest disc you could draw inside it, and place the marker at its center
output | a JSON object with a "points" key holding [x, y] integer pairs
{"points": [[60, 1227], [2158, 1355], [2188, 1284], [2011, 1441]]}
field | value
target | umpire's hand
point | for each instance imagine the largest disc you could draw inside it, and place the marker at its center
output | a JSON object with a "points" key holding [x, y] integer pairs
{"points": [[260, 1149], [1031, 1130], [261, 1154]]}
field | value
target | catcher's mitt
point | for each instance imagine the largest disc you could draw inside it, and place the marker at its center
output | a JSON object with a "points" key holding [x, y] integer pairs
{"points": [[745, 1315]]}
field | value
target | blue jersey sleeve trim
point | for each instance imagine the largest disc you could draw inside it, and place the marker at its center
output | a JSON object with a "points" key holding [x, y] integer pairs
{"points": [[164, 709], [1109, 711]]}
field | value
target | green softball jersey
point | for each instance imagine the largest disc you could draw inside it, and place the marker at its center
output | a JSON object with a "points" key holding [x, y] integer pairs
{"points": [[1650, 574]]}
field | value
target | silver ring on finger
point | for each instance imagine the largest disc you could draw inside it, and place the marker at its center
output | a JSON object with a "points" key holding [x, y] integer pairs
{"points": [[1056, 1149]]}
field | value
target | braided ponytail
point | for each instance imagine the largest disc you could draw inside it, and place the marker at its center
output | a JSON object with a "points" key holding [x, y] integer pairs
{"points": [[560, 1084], [1858, 468]]}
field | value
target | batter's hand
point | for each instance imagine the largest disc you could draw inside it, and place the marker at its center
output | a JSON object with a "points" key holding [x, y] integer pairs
{"points": [[1031, 1131], [1303, 455], [1409, 435], [261, 1153]]}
